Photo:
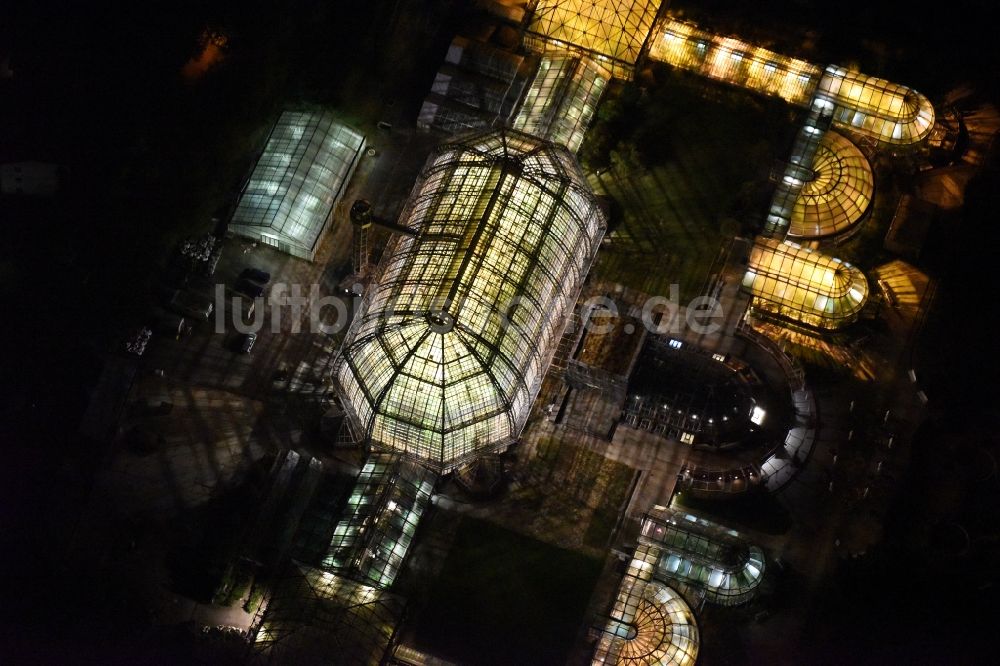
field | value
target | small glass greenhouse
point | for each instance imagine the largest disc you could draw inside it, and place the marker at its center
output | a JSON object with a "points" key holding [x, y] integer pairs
{"points": [[383, 511], [289, 198]]}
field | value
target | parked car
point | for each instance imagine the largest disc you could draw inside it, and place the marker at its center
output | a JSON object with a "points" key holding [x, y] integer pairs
{"points": [[251, 289], [169, 324], [191, 305], [244, 342], [255, 274]]}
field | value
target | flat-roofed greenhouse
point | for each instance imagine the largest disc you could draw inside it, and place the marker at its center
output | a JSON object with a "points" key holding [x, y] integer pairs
{"points": [[447, 354]]}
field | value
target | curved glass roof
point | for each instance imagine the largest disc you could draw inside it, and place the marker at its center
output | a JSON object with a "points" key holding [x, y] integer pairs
{"points": [[839, 194], [800, 284], [878, 108], [298, 179], [448, 351], [887, 111], [692, 550], [614, 31], [649, 624], [739, 63]]}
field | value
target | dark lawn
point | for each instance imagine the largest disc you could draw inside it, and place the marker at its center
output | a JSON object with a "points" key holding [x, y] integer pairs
{"points": [[503, 598], [687, 164]]}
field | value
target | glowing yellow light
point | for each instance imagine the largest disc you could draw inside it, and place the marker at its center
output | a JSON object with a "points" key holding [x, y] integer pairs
{"points": [[806, 286]]}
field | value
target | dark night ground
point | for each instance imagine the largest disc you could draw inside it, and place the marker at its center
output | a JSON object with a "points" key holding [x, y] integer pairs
{"points": [[150, 160], [503, 598]]}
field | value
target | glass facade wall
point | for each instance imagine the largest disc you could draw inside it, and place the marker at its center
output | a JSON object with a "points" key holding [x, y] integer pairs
{"points": [[612, 31], [562, 98], [449, 349], [802, 285], [890, 113], [301, 175]]}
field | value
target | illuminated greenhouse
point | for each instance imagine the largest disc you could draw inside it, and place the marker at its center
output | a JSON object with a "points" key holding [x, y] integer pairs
{"points": [[448, 351], [838, 195], [649, 624], [562, 98], [681, 547], [299, 178], [887, 111], [383, 511], [612, 31], [798, 169], [804, 286], [733, 61]]}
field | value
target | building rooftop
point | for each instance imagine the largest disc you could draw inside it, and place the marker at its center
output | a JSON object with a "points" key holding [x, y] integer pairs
{"points": [[613, 31], [803, 285], [839, 194], [300, 176], [447, 354]]}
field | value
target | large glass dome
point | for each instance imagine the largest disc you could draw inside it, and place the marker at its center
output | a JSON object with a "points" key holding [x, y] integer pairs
{"points": [[447, 354]]}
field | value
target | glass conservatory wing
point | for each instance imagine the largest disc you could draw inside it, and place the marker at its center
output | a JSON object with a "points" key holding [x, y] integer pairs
{"points": [[886, 111], [733, 61], [811, 288], [701, 553]]}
